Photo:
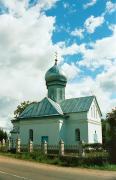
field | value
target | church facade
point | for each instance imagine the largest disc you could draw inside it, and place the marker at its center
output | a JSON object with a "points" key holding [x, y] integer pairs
{"points": [[55, 118]]}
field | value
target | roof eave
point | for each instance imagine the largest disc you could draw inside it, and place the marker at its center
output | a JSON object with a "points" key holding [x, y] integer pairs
{"points": [[98, 106], [76, 112], [43, 116]]}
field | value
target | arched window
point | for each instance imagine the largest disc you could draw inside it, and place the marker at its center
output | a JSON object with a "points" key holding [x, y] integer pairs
{"points": [[77, 134], [31, 134]]}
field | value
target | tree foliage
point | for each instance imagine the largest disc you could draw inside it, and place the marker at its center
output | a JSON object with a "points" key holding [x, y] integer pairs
{"points": [[21, 108], [111, 118], [104, 132], [3, 135]]}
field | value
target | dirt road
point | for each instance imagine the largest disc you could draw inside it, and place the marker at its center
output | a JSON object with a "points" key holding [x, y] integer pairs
{"points": [[13, 169]]}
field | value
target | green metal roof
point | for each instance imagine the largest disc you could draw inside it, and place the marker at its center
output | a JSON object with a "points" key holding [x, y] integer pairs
{"points": [[46, 107], [77, 104]]}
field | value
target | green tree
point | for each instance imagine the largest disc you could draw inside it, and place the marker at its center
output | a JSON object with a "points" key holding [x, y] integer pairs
{"points": [[3, 135], [105, 135], [111, 118], [21, 108]]}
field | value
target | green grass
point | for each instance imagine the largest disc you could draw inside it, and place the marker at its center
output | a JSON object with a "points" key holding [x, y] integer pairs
{"points": [[55, 160], [107, 167], [35, 156]]}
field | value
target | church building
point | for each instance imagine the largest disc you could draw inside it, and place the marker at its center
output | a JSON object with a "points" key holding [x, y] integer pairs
{"points": [[55, 118]]}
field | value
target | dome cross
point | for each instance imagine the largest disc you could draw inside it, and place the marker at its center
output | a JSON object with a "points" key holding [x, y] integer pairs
{"points": [[56, 60]]}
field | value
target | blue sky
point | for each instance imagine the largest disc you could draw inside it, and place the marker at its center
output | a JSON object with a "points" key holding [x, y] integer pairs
{"points": [[74, 15], [83, 32], [71, 15]]}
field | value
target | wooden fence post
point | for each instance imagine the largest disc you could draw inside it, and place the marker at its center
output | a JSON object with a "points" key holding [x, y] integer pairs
{"points": [[9, 144], [3, 143], [61, 147], [30, 146], [18, 145], [45, 147]]}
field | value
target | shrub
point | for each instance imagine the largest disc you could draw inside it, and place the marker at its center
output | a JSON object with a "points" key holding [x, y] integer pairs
{"points": [[80, 161], [111, 118], [93, 147]]}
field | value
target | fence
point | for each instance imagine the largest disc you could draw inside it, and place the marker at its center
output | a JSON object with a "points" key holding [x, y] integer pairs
{"points": [[60, 149]]}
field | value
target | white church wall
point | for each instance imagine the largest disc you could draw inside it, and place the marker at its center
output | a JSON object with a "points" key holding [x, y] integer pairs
{"points": [[94, 113], [76, 121], [79, 116], [94, 124], [94, 132], [41, 127]]}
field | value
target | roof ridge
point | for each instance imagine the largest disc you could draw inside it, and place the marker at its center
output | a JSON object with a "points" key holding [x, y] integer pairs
{"points": [[54, 104], [45, 107], [78, 98]]}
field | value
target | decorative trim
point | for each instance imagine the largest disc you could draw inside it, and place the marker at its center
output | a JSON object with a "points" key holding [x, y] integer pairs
{"points": [[94, 122]]}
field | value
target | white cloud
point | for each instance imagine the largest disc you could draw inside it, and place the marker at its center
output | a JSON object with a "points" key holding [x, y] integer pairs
{"points": [[19, 7], [15, 7], [26, 52], [88, 86], [93, 22], [6, 107], [69, 50], [89, 4], [45, 4], [102, 53], [66, 5], [71, 70], [69, 7], [107, 80], [110, 7], [78, 33]]}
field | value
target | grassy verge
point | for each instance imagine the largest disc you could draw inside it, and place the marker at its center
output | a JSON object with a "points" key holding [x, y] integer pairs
{"points": [[63, 161]]}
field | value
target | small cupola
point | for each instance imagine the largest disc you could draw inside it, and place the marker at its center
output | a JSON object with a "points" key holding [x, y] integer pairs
{"points": [[56, 82], [55, 74]]}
